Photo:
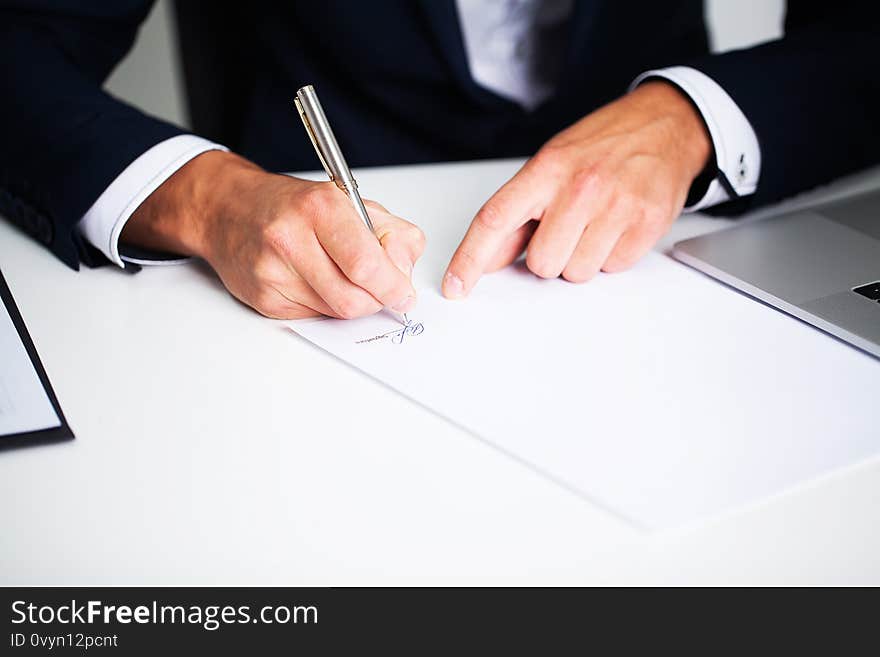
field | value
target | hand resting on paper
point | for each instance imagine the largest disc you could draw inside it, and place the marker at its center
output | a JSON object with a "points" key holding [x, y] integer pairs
{"points": [[597, 196], [287, 247]]}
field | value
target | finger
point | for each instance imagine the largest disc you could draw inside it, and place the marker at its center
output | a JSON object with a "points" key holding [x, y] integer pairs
{"points": [[513, 247], [360, 256], [519, 200], [344, 298], [595, 245], [403, 242], [279, 290], [562, 226], [271, 302], [300, 297], [630, 248], [278, 306], [275, 289]]}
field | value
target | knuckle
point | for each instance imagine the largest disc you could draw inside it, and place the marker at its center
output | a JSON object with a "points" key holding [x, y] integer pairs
{"points": [[352, 306], [266, 304], [635, 213], [314, 200], [264, 268], [550, 159], [644, 212], [363, 269], [417, 240], [490, 216], [276, 238], [416, 236], [587, 181]]}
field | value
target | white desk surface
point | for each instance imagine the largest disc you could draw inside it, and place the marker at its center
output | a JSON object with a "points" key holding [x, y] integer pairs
{"points": [[213, 447]]}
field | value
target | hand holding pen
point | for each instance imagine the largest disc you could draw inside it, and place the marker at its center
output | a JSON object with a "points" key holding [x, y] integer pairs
{"points": [[331, 157], [289, 248]]}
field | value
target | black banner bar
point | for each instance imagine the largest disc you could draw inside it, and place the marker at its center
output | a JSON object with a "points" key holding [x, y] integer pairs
{"points": [[153, 621]]}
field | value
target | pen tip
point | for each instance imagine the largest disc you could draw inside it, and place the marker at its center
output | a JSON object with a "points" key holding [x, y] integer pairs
{"points": [[405, 318]]}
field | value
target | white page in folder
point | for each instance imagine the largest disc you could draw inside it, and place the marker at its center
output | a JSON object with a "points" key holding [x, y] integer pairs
{"points": [[24, 404], [591, 385]]}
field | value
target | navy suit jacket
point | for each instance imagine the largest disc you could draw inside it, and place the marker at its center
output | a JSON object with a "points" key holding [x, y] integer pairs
{"points": [[394, 81]]}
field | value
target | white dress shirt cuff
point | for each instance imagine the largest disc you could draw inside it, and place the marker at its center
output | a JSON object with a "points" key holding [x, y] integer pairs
{"points": [[737, 152], [103, 223]]}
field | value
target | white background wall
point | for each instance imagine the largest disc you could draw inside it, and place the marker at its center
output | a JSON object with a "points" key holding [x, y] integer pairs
{"points": [[150, 76]]}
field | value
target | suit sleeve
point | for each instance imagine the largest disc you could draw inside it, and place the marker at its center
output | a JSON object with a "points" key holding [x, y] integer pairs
{"points": [[62, 139], [812, 97]]}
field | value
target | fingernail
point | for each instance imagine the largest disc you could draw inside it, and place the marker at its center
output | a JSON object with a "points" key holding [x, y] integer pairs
{"points": [[405, 306], [453, 287]]}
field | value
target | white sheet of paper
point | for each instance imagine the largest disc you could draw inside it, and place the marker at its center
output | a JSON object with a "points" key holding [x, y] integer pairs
{"points": [[24, 404], [593, 385]]}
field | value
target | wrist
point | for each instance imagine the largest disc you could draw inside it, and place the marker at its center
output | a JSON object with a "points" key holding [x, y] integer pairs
{"points": [[179, 214], [689, 136]]}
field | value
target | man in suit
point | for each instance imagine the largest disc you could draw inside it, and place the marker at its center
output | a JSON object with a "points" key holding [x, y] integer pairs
{"points": [[628, 118]]}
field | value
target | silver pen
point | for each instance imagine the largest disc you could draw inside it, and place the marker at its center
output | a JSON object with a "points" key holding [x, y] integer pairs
{"points": [[315, 121]]}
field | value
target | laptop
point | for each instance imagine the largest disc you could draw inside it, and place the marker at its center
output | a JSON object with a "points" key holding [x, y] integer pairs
{"points": [[821, 265]]}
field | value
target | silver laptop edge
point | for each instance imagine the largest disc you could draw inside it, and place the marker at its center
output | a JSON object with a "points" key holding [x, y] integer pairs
{"points": [[820, 265], [776, 302]]}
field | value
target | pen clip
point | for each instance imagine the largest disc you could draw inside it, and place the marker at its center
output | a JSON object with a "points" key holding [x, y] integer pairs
{"points": [[308, 126]]}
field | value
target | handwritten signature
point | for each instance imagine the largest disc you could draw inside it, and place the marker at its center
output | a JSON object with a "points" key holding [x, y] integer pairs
{"points": [[397, 336]]}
